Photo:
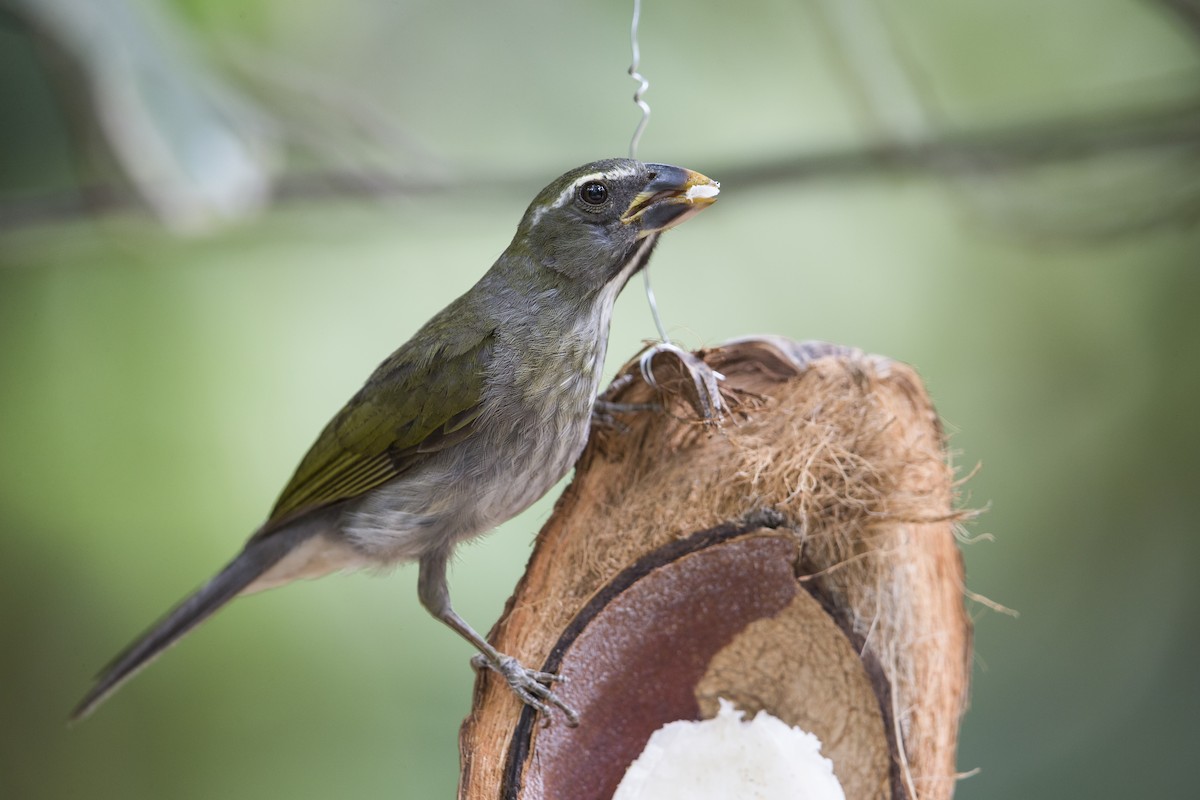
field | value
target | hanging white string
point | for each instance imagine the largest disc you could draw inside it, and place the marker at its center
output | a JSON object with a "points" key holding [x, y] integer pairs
{"points": [[662, 332], [643, 85]]}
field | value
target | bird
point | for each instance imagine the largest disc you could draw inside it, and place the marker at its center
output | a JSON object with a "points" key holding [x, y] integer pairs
{"points": [[467, 424]]}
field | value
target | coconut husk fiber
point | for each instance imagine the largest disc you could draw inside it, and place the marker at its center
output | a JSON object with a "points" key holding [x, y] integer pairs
{"points": [[779, 533]]}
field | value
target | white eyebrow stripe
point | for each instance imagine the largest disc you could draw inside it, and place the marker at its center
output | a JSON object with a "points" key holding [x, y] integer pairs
{"points": [[568, 193]]}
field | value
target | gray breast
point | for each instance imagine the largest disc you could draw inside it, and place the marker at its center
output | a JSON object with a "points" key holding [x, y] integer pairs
{"points": [[537, 412]]}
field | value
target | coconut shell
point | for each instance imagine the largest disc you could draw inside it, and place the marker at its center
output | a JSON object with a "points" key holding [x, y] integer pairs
{"points": [[787, 542]]}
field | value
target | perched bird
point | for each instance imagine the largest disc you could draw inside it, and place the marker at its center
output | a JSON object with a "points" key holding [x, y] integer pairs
{"points": [[469, 422]]}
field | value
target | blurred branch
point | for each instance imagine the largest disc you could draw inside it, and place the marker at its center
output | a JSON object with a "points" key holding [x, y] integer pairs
{"points": [[1129, 196], [1034, 191], [332, 120], [867, 52], [196, 151], [1013, 176], [998, 151]]}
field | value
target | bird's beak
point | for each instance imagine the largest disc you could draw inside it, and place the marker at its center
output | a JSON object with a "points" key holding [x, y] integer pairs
{"points": [[672, 195]]}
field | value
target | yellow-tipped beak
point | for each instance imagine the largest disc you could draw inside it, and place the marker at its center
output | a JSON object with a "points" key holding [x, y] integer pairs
{"points": [[672, 195]]}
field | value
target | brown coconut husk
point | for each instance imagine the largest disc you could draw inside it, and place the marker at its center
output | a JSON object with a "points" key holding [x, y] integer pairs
{"points": [[786, 542]]}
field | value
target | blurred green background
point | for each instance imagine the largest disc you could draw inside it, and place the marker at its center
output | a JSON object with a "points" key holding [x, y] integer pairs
{"points": [[159, 382]]}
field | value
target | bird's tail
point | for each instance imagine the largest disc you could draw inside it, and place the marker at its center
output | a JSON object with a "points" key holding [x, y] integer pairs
{"points": [[259, 555]]}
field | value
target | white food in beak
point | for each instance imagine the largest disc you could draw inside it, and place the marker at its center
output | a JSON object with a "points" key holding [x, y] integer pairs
{"points": [[703, 190]]}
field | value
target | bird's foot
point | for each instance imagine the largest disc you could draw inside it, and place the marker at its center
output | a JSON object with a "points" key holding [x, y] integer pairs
{"points": [[687, 375], [529, 685]]}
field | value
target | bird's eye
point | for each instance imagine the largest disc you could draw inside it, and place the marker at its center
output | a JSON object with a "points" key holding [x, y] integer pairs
{"points": [[593, 193]]}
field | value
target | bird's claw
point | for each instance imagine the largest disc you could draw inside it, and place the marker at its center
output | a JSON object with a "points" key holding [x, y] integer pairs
{"points": [[531, 686], [697, 381]]}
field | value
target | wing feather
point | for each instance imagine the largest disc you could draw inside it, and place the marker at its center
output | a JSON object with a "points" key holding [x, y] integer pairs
{"points": [[409, 409]]}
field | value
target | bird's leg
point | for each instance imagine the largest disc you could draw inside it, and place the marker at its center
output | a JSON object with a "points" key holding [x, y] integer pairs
{"points": [[604, 412], [609, 407], [529, 685]]}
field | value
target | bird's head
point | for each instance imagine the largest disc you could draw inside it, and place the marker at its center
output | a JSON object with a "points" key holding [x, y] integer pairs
{"points": [[596, 225]]}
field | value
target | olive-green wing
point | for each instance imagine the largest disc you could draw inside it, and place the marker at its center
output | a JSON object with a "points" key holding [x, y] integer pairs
{"points": [[407, 410]]}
